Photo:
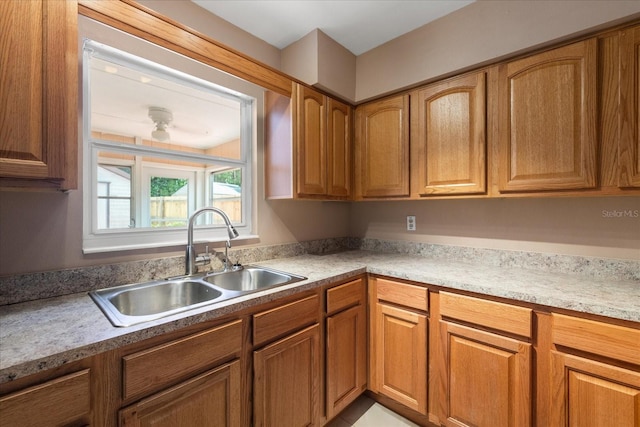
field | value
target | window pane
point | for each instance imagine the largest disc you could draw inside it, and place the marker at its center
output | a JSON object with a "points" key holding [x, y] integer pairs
{"points": [[169, 201], [226, 193], [114, 196], [162, 108]]}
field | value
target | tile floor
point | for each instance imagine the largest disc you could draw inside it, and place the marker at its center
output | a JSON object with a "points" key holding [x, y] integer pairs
{"points": [[364, 412]]}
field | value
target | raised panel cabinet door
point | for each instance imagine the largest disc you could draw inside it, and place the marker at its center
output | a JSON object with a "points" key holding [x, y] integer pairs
{"points": [[588, 393], [310, 133], [211, 399], [346, 358], [401, 356], [629, 145], [382, 159], [548, 119], [287, 381], [452, 136], [339, 129], [38, 92], [487, 378]]}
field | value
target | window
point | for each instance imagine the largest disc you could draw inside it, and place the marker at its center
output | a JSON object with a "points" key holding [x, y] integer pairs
{"points": [[159, 144]]}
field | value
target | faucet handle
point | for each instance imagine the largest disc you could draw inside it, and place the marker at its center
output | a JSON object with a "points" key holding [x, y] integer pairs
{"points": [[203, 258]]}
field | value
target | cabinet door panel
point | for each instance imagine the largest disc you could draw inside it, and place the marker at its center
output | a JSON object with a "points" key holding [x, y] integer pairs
{"points": [[452, 136], [209, 400], [488, 378], [548, 120], [310, 125], [383, 144], [286, 383], [346, 358], [629, 148], [38, 91], [401, 356], [591, 394], [23, 30], [339, 129]]}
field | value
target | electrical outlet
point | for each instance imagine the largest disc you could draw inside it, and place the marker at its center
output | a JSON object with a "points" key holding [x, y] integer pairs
{"points": [[411, 223]]}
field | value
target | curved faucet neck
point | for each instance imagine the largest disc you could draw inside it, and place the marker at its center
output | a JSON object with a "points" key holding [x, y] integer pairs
{"points": [[190, 259], [197, 213]]}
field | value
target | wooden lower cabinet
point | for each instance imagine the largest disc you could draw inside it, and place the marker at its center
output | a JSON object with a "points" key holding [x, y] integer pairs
{"points": [[487, 378], [211, 399], [486, 370], [287, 381], [346, 345], [398, 344], [588, 393], [62, 401], [595, 374]]}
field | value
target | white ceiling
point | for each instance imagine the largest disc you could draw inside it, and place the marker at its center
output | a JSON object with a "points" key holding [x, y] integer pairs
{"points": [[358, 25]]}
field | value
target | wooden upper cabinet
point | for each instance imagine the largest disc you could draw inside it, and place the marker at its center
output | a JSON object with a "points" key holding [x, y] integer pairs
{"points": [[310, 135], [629, 145], [547, 120], [39, 93], [450, 139], [307, 146], [382, 153], [339, 136]]}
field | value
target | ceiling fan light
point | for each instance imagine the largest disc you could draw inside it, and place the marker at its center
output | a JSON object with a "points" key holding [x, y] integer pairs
{"points": [[161, 117], [160, 135]]}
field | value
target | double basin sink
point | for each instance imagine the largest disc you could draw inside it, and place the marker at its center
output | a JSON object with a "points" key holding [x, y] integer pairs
{"points": [[142, 302]]}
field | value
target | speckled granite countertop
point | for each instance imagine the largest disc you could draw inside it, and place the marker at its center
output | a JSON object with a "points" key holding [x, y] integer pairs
{"points": [[43, 334]]}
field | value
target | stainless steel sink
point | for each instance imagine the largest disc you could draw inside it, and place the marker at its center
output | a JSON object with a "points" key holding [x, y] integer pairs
{"points": [[142, 302], [251, 279], [161, 297]]}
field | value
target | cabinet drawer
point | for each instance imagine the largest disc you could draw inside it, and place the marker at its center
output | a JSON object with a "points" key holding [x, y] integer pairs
{"points": [[279, 321], [617, 342], [402, 294], [345, 296], [495, 315], [57, 402], [156, 368]]}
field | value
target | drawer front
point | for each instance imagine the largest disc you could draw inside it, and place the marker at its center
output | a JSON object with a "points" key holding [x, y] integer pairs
{"points": [[153, 369], [495, 315], [63, 400], [616, 342], [345, 296], [402, 294], [271, 324]]}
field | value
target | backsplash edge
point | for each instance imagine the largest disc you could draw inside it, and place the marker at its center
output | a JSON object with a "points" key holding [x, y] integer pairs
{"points": [[33, 286]]}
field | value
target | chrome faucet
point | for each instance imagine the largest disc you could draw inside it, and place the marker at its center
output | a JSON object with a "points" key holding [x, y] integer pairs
{"points": [[190, 259]]}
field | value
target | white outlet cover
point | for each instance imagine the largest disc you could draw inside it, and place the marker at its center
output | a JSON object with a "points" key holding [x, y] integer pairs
{"points": [[411, 223]]}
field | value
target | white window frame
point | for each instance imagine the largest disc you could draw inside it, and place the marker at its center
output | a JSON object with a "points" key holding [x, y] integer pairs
{"points": [[100, 240]]}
